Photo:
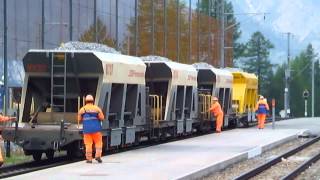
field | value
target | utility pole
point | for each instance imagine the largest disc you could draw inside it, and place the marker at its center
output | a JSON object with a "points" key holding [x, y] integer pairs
{"points": [[198, 32], [190, 31], [287, 81], [42, 24], [222, 35], [70, 20], [259, 66], [136, 28], [165, 27], [95, 20], [5, 59], [117, 25], [312, 95], [178, 31], [152, 29]]}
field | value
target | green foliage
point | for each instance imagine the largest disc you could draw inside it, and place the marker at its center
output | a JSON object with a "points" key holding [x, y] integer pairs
{"points": [[276, 90], [230, 21], [301, 79], [256, 52], [102, 34]]}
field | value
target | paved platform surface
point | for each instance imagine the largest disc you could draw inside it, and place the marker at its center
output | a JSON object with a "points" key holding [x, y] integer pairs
{"points": [[185, 159]]}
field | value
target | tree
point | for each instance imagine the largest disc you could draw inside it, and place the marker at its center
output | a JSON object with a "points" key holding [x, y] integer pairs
{"points": [[145, 31], [205, 43], [233, 32], [102, 34], [256, 53], [276, 90], [301, 80]]}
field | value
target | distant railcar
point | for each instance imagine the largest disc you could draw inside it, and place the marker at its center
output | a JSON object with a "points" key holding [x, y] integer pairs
{"points": [[172, 93], [244, 96], [213, 82]]}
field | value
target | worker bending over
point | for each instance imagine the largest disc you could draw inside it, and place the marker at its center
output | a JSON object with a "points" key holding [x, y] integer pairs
{"points": [[216, 110], [4, 119], [262, 109], [91, 117]]}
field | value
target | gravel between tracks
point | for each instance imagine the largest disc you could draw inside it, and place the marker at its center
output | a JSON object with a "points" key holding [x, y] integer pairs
{"points": [[287, 165], [241, 167], [313, 173]]}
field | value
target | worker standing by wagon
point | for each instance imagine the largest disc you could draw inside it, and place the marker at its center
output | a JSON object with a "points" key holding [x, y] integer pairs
{"points": [[216, 110], [262, 109], [4, 119], [91, 116]]}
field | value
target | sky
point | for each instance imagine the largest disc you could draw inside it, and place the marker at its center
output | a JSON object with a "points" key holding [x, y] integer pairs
{"points": [[299, 17]]}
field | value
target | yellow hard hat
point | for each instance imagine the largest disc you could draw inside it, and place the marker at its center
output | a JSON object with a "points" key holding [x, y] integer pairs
{"points": [[214, 99], [89, 98]]}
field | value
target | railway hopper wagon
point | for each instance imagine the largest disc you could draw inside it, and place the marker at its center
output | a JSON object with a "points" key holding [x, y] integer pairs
{"points": [[172, 96], [54, 88], [214, 82], [143, 99], [244, 96]]}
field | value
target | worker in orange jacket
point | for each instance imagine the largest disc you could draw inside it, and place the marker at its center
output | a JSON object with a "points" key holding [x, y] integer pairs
{"points": [[91, 117], [4, 119], [216, 110], [262, 108]]}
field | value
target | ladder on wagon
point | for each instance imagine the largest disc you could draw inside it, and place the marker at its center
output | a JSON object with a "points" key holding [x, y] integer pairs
{"points": [[58, 82]]}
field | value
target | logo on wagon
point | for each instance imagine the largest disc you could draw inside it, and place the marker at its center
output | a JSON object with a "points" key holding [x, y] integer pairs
{"points": [[133, 73], [37, 67], [109, 69], [192, 78]]}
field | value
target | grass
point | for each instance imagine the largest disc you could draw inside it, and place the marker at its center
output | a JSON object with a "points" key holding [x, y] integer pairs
{"points": [[16, 159], [17, 156]]}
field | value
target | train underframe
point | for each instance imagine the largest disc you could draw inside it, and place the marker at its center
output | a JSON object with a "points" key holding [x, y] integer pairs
{"points": [[69, 138]]}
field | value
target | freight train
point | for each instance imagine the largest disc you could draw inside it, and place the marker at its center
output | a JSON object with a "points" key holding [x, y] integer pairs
{"points": [[143, 98]]}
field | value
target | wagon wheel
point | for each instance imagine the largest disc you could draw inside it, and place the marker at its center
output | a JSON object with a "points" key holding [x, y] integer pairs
{"points": [[37, 156], [50, 154]]}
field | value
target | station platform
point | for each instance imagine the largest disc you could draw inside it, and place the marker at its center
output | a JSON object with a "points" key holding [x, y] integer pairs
{"points": [[186, 159]]}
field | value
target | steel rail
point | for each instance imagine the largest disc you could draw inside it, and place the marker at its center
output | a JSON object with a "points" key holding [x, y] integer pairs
{"points": [[14, 170], [296, 172], [27, 167], [257, 170]]}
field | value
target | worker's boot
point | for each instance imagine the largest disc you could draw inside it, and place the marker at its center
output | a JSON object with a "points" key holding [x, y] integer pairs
{"points": [[89, 161], [1, 163], [99, 160]]}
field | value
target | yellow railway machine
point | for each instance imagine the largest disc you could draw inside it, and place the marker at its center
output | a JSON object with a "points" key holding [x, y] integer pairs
{"points": [[244, 96]]}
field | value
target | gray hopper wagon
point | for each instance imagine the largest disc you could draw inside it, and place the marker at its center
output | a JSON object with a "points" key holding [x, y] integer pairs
{"points": [[55, 85], [172, 96], [213, 82]]}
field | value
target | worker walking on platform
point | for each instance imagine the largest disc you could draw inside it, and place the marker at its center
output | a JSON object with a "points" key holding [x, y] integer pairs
{"points": [[216, 110], [262, 109], [4, 119], [91, 116]]}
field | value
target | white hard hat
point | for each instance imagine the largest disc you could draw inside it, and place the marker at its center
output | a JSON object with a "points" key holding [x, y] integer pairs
{"points": [[89, 98]]}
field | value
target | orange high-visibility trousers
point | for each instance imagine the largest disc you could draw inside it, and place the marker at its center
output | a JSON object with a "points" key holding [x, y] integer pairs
{"points": [[261, 120], [89, 139], [219, 121]]}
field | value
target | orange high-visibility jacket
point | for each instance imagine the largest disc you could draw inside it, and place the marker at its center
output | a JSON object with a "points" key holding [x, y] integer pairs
{"points": [[91, 116], [262, 107], [216, 109]]}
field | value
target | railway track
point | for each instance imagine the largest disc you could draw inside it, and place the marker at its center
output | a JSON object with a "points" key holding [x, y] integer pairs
{"points": [[283, 157], [23, 168], [14, 170], [27, 167]]}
